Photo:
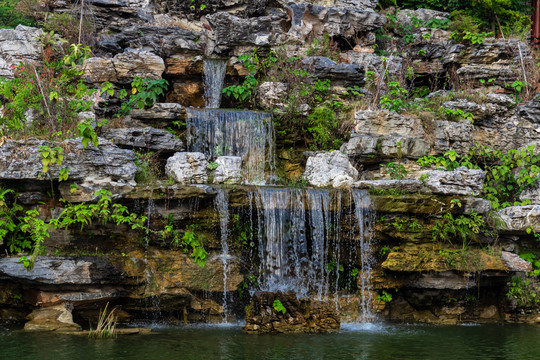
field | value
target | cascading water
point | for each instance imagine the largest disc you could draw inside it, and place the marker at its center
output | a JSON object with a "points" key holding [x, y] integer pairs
{"points": [[297, 239], [247, 134], [214, 77], [222, 206], [299, 242], [364, 219]]}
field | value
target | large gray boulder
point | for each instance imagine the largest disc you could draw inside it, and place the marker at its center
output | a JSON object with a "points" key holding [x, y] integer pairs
{"points": [[124, 67], [229, 170], [461, 181], [520, 218], [21, 160], [18, 45], [314, 20], [498, 59], [161, 40], [188, 168], [378, 134], [147, 138], [324, 68], [332, 169]]}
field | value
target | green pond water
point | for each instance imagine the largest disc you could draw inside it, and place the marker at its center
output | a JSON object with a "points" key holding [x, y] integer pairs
{"points": [[228, 342]]}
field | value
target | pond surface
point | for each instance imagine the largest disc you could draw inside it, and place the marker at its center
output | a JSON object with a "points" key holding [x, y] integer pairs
{"points": [[378, 342]]}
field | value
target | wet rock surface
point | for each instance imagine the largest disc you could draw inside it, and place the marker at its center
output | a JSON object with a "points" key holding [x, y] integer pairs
{"points": [[304, 315]]}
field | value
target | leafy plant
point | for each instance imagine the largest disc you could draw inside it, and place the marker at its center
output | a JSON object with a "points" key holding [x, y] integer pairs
{"points": [[395, 99], [384, 297], [396, 171], [278, 306], [464, 227]]}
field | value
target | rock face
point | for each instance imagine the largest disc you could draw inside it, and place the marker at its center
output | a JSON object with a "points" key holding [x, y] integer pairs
{"points": [[18, 45], [461, 181], [308, 19], [21, 160], [145, 138], [324, 68], [54, 318], [304, 315], [496, 59], [520, 218], [229, 170], [188, 168], [123, 67], [330, 169], [379, 132]]}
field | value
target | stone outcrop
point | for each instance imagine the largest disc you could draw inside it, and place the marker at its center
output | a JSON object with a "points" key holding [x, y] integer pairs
{"points": [[20, 160], [520, 218], [461, 181], [188, 168], [17, 46], [330, 169], [324, 68], [147, 138], [304, 315], [229, 170], [124, 67], [54, 318]]}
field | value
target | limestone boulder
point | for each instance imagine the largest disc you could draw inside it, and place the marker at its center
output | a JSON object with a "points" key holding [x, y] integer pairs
{"points": [[330, 169], [386, 134], [124, 67], [229, 30], [229, 170], [188, 168], [498, 59], [461, 181], [20, 159], [324, 68], [405, 185], [405, 18], [315, 20], [271, 95], [297, 316], [18, 45], [160, 114], [147, 138], [520, 218], [163, 41], [515, 263], [54, 318], [450, 135], [530, 111]]}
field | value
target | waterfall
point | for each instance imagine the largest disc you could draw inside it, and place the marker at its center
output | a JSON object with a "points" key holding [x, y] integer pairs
{"points": [[247, 134], [301, 248], [298, 239], [364, 219], [222, 206], [213, 76]]}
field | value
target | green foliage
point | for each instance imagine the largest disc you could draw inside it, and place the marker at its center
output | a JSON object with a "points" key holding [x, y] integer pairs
{"points": [[245, 92], [384, 297], [396, 98], [475, 38], [241, 231], [396, 171], [51, 156], [278, 306], [385, 250], [465, 228], [190, 240], [458, 114], [525, 291], [87, 133], [54, 91], [148, 168], [322, 125], [11, 16], [144, 93], [325, 47]]}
